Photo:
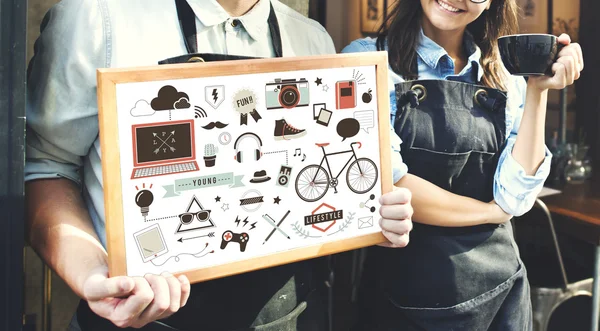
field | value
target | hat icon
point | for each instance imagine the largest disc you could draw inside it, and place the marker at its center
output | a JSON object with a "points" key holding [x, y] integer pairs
{"points": [[260, 177]]}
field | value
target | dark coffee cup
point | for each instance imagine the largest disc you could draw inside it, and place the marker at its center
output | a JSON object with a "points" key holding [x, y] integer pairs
{"points": [[529, 54]]}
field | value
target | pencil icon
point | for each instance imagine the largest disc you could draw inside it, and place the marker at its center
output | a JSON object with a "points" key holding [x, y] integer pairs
{"points": [[275, 226]]}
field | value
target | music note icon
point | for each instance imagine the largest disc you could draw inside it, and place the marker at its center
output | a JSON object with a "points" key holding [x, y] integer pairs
{"points": [[298, 152]]}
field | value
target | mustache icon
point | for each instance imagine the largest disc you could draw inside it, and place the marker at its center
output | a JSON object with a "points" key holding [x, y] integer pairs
{"points": [[213, 125]]}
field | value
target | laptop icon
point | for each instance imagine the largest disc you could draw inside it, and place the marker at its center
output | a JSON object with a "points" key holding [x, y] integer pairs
{"points": [[163, 149]]}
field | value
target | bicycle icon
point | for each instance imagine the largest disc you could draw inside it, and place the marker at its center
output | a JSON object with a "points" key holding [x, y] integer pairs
{"points": [[313, 181]]}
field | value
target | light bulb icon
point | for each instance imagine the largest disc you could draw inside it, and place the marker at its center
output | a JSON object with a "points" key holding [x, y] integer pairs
{"points": [[144, 199]]}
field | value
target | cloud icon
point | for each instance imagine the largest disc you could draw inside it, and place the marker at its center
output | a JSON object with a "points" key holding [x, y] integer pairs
{"points": [[142, 108], [182, 103], [167, 97]]}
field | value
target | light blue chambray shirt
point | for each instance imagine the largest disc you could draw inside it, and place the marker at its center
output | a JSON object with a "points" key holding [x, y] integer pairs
{"points": [[80, 36], [514, 191]]}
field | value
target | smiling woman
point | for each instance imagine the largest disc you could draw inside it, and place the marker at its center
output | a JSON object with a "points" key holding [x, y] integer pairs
{"points": [[471, 151]]}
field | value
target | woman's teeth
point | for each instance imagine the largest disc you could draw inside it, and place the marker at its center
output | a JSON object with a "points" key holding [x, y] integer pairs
{"points": [[447, 6]]}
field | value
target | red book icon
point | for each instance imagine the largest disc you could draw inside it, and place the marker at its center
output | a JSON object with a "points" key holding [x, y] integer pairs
{"points": [[345, 94]]}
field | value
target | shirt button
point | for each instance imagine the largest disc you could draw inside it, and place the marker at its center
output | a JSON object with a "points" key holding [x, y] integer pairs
{"points": [[235, 23]]}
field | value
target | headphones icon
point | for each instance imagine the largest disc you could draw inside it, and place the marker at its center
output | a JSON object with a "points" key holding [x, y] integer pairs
{"points": [[257, 152]]}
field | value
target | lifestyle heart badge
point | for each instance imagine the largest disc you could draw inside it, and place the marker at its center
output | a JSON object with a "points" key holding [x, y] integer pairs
{"points": [[244, 102]]}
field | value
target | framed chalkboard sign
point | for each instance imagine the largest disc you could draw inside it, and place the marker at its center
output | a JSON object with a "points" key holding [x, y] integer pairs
{"points": [[214, 169]]}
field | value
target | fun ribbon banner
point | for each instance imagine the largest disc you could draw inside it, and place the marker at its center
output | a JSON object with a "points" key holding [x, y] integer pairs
{"points": [[244, 102], [198, 183]]}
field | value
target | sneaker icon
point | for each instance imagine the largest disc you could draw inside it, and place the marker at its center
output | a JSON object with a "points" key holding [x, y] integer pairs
{"points": [[284, 131]]}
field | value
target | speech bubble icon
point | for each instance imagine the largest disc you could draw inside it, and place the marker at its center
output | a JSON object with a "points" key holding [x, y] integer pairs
{"points": [[366, 118], [348, 127]]}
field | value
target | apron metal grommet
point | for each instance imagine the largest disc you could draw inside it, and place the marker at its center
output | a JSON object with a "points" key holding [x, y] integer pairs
{"points": [[420, 90], [481, 93], [195, 59]]}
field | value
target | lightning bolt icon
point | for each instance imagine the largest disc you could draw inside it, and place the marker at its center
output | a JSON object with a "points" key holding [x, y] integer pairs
{"points": [[253, 225], [237, 221], [245, 221], [215, 95]]}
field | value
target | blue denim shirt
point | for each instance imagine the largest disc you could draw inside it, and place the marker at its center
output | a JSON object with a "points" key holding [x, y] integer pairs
{"points": [[77, 37], [514, 191]]}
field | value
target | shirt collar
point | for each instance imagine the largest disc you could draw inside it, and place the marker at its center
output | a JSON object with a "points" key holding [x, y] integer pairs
{"points": [[255, 22], [431, 53]]}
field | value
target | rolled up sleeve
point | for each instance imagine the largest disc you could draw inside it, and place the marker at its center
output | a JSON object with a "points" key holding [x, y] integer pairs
{"points": [[515, 191], [62, 121]]}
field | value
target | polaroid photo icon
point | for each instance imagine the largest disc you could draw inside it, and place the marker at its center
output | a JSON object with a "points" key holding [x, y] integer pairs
{"points": [[321, 114], [150, 242], [345, 94]]}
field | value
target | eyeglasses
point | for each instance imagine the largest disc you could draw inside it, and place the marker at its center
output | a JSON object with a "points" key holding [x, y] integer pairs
{"points": [[187, 218]]}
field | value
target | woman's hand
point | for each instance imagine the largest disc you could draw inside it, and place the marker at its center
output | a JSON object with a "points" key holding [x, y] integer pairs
{"points": [[566, 69], [396, 213]]}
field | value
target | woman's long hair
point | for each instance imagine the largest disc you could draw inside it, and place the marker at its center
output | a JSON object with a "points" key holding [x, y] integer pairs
{"points": [[401, 29]]}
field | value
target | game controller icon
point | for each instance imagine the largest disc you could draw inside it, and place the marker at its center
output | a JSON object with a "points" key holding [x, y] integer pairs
{"points": [[240, 238]]}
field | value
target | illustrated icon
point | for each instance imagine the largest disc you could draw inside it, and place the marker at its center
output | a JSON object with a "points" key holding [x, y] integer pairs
{"points": [[210, 155], [244, 102], [142, 108], [199, 112], [287, 93], [240, 238], [345, 94], [210, 235], [276, 200], [347, 128], [319, 81], [257, 153], [358, 76], [169, 99], [150, 242], [251, 200], [276, 227], [224, 138], [213, 125], [285, 131], [283, 178], [321, 114], [325, 88], [366, 203], [202, 216], [163, 149], [323, 217], [365, 222], [144, 199], [314, 180], [214, 95], [260, 177], [298, 152], [366, 119], [367, 96]]}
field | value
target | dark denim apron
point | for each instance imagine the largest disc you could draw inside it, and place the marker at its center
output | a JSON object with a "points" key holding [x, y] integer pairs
{"points": [[467, 278], [291, 297]]}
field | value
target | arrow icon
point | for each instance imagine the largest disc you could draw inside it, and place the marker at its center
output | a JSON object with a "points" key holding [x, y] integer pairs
{"points": [[210, 235], [164, 142]]}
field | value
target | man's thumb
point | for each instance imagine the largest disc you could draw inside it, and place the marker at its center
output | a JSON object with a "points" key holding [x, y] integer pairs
{"points": [[109, 288]]}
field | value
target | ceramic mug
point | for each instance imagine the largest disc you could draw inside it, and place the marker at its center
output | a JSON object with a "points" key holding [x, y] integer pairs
{"points": [[529, 54]]}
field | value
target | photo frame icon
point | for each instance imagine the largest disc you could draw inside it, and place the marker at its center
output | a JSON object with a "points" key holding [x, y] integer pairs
{"points": [[321, 114]]}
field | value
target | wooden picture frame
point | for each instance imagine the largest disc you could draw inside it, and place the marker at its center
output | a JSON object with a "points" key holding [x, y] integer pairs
{"points": [[117, 90], [372, 14]]}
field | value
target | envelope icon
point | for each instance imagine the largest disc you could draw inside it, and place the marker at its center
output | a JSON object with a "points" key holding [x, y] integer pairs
{"points": [[365, 222]]}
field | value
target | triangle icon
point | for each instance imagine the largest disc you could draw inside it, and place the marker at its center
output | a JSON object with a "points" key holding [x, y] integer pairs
{"points": [[194, 207]]}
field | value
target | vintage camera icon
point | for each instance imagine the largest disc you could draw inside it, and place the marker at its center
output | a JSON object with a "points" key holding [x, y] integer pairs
{"points": [[287, 93]]}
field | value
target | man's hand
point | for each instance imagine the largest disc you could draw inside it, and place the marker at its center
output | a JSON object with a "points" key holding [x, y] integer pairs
{"points": [[135, 301], [396, 213]]}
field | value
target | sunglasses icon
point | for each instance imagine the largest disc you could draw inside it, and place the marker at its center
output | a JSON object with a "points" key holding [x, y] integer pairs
{"points": [[187, 218]]}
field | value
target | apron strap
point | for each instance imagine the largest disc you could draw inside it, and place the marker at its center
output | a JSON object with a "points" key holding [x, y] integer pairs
{"points": [[187, 22]]}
